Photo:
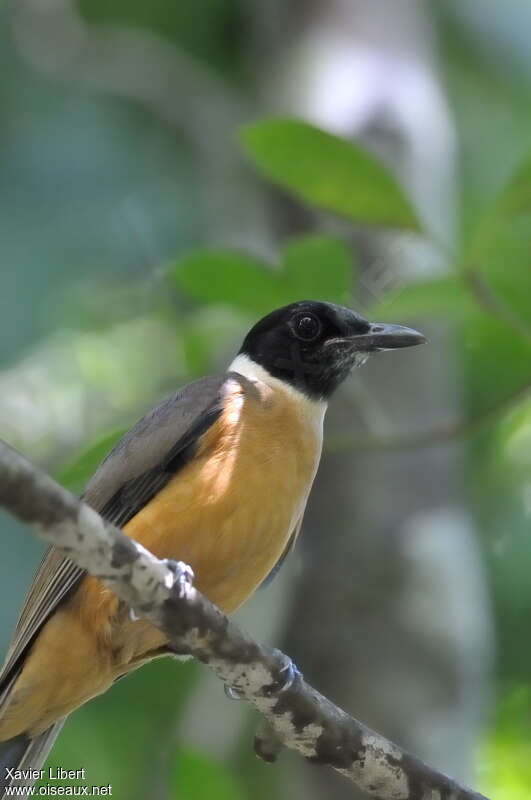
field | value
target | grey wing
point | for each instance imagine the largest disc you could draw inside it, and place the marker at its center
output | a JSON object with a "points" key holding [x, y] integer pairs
{"points": [[134, 470]]}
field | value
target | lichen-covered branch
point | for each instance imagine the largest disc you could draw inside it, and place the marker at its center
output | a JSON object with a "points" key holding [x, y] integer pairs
{"points": [[296, 714]]}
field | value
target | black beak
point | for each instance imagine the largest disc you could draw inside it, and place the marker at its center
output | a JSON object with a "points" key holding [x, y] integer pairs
{"points": [[388, 337]]}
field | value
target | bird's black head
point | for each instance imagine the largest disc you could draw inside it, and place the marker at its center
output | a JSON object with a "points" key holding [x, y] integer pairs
{"points": [[314, 346]]}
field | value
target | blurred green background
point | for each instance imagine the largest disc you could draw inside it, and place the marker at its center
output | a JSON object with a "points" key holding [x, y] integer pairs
{"points": [[172, 171]]}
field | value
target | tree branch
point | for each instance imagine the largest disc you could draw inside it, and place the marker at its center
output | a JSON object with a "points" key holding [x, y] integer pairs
{"points": [[297, 715]]}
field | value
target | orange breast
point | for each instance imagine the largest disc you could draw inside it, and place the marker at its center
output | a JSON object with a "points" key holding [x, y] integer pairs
{"points": [[230, 511]]}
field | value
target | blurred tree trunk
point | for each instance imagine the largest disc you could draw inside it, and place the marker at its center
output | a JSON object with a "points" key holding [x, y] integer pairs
{"points": [[390, 617]]}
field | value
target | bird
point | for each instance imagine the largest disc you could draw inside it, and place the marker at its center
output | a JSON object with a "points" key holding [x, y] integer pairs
{"points": [[217, 476]]}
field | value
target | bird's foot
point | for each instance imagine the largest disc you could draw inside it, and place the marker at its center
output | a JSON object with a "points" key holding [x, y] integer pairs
{"points": [[182, 576], [287, 676], [267, 742], [232, 694]]}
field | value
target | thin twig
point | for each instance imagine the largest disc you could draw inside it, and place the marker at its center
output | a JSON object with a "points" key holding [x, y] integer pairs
{"points": [[493, 305], [300, 717], [446, 432]]}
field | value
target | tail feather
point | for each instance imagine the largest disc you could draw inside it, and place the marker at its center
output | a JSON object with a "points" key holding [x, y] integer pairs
{"points": [[11, 753], [24, 753]]}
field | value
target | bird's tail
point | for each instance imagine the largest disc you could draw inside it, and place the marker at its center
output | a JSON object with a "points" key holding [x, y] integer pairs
{"points": [[24, 754]]}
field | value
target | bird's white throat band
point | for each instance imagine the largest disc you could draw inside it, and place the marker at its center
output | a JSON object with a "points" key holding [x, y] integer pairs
{"points": [[314, 409]]}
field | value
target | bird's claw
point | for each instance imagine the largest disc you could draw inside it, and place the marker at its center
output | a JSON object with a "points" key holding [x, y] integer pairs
{"points": [[181, 574], [287, 676], [232, 693]]}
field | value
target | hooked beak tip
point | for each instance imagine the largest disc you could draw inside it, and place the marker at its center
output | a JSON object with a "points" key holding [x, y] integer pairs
{"points": [[383, 336]]}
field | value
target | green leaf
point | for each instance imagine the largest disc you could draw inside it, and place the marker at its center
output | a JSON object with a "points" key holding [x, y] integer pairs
{"points": [[515, 198], [500, 248], [328, 172], [196, 777], [313, 267], [78, 470], [219, 276], [444, 297], [487, 344], [318, 268]]}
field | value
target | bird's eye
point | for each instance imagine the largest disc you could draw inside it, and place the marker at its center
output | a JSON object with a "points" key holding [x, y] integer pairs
{"points": [[306, 327]]}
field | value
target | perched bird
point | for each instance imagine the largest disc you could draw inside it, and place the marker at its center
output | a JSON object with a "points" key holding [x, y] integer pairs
{"points": [[218, 476]]}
